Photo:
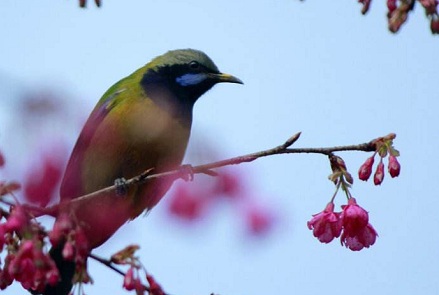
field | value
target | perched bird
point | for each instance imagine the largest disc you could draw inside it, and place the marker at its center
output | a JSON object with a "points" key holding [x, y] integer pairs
{"points": [[141, 122]]}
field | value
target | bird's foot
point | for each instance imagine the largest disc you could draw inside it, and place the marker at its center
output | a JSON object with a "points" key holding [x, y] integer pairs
{"points": [[121, 186], [186, 172]]}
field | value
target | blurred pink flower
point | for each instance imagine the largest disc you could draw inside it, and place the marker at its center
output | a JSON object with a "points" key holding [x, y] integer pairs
{"points": [[42, 181], [186, 204], [259, 221]]}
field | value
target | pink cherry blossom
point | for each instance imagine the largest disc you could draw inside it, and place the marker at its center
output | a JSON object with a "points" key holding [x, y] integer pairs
{"points": [[364, 238], [354, 218], [326, 225]]}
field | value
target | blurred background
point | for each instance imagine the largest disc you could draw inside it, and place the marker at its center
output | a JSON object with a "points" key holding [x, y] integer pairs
{"points": [[319, 67]]}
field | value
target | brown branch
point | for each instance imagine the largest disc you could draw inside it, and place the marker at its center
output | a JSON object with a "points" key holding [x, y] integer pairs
{"points": [[208, 168]]}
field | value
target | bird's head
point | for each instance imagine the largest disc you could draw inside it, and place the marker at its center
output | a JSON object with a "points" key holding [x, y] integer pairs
{"points": [[187, 73]]}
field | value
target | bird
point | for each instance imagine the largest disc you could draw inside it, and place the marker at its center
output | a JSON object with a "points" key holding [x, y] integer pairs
{"points": [[140, 123]]}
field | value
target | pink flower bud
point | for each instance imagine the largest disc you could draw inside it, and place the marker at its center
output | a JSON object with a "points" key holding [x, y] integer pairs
{"points": [[52, 276], [366, 4], [2, 160], [379, 173], [429, 6], [2, 236], [68, 251], [129, 282], [17, 220], [5, 278], [366, 169], [154, 287], [63, 225], [81, 246], [434, 25], [394, 167], [27, 249], [391, 5]]}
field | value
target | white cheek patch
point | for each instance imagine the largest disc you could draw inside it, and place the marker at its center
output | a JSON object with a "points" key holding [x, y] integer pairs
{"points": [[190, 79]]}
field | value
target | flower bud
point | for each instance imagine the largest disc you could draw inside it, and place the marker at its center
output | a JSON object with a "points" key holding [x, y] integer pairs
{"points": [[434, 25], [129, 282], [68, 252], [2, 160], [17, 220], [379, 173], [52, 276], [394, 167], [366, 169], [391, 5], [154, 287]]}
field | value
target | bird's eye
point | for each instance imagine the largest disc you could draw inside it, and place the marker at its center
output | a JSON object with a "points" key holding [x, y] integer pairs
{"points": [[194, 65]]}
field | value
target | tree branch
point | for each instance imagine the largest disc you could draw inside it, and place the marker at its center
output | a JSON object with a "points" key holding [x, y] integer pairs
{"points": [[184, 173], [207, 168]]}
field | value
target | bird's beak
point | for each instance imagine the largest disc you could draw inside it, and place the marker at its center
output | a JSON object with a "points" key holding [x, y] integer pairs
{"points": [[221, 77]]}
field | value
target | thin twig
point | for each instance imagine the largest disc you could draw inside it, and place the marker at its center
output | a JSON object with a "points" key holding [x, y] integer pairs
{"points": [[106, 262]]}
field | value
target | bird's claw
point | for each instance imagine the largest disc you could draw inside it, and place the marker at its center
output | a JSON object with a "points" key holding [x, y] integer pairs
{"points": [[187, 172], [121, 186]]}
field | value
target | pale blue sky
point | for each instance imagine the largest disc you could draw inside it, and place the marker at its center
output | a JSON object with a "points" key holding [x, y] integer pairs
{"points": [[318, 67]]}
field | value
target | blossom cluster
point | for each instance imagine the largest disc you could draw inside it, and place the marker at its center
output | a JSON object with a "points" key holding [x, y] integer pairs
{"points": [[132, 279], [74, 244], [22, 239], [384, 147], [25, 262], [351, 225], [398, 11]]}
